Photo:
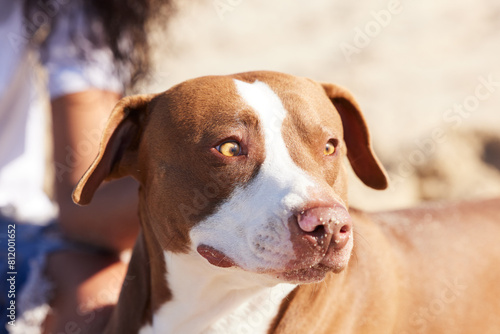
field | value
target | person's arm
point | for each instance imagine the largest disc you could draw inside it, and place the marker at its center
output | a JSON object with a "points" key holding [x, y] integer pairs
{"points": [[111, 220]]}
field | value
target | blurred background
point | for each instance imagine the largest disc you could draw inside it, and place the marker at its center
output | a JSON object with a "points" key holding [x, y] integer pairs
{"points": [[425, 73]]}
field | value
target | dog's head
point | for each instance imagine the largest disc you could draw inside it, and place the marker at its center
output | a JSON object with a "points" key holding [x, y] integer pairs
{"points": [[244, 170]]}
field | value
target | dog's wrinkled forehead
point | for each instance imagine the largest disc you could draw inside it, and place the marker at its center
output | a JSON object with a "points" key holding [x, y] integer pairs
{"points": [[266, 104], [304, 100], [232, 99], [201, 105]]}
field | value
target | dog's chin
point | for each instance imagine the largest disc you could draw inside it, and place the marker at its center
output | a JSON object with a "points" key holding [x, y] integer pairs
{"points": [[313, 273], [294, 272]]}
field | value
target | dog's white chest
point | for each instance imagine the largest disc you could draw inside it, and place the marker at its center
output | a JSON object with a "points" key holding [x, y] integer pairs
{"points": [[254, 316], [209, 301]]}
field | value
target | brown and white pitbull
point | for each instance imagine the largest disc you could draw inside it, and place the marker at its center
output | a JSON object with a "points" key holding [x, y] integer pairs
{"points": [[246, 226]]}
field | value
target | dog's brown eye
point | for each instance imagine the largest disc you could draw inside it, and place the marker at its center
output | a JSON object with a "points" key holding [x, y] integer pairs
{"points": [[229, 148], [329, 148]]}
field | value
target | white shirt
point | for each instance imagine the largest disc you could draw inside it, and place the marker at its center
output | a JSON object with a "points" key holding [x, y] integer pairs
{"points": [[23, 112]]}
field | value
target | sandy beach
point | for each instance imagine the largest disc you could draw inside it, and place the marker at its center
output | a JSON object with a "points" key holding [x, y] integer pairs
{"points": [[425, 73]]}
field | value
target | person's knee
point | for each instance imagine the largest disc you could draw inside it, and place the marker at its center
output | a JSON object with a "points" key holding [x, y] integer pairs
{"points": [[86, 287]]}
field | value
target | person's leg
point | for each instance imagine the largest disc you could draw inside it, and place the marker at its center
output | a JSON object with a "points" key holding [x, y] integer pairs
{"points": [[87, 285], [19, 251]]}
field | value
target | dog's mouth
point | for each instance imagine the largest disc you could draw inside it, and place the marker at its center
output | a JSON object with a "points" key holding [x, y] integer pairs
{"points": [[215, 257], [320, 240], [313, 267], [315, 273], [317, 263]]}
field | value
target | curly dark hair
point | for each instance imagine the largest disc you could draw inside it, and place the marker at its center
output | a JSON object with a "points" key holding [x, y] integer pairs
{"points": [[120, 19]]}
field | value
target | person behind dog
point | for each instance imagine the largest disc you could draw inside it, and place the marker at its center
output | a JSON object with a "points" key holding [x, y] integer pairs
{"points": [[52, 251]]}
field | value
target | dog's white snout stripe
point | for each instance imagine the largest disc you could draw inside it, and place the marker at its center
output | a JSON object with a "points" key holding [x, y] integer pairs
{"points": [[278, 167], [251, 226], [270, 110]]}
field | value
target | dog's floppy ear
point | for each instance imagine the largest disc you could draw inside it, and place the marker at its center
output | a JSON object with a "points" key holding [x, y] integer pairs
{"points": [[357, 138], [118, 147]]}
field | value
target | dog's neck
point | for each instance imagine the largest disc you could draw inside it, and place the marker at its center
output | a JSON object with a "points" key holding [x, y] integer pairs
{"points": [[206, 299]]}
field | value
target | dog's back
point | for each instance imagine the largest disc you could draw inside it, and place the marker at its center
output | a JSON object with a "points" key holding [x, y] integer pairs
{"points": [[431, 269]]}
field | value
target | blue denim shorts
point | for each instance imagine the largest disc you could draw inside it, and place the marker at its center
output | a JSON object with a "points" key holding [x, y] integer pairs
{"points": [[23, 250]]}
